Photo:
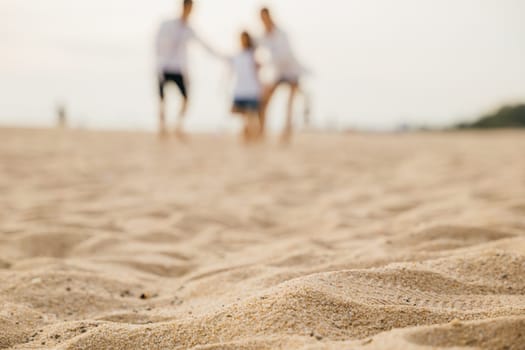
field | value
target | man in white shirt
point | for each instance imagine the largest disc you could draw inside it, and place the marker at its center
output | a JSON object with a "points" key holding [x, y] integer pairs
{"points": [[287, 68], [172, 43]]}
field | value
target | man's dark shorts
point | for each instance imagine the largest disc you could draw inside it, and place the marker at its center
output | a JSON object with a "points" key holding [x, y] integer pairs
{"points": [[288, 80], [176, 78]]}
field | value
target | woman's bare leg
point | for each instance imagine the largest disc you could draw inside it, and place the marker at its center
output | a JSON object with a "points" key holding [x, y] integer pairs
{"points": [[266, 99], [287, 133], [307, 105]]}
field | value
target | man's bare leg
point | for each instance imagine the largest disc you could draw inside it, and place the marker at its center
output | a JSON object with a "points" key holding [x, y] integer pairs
{"points": [[162, 118], [287, 133], [179, 129]]}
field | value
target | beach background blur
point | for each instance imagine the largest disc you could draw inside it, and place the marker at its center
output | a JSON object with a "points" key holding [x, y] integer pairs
{"points": [[365, 240], [376, 64]]}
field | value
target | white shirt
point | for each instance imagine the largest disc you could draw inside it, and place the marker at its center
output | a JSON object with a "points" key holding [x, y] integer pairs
{"points": [[172, 46], [281, 53], [247, 84]]}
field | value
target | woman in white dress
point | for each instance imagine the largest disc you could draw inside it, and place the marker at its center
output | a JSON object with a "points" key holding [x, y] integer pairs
{"points": [[287, 68]]}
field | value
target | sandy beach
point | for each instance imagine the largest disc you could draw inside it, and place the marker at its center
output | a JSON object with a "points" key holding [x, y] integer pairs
{"points": [[350, 241]]}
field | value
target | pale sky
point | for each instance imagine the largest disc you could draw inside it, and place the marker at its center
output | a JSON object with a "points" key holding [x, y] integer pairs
{"points": [[376, 63]]}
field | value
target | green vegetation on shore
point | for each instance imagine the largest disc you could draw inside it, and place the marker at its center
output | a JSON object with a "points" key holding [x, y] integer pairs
{"points": [[506, 117]]}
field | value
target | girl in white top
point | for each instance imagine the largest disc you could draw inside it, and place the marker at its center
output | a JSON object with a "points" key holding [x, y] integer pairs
{"points": [[247, 89]]}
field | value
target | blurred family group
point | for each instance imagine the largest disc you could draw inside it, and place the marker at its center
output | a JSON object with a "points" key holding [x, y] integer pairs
{"points": [[250, 96]]}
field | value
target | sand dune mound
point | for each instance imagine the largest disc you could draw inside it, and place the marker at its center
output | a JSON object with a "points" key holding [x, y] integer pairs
{"points": [[117, 241], [330, 306], [66, 294], [506, 333], [17, 323], [498, 270]]}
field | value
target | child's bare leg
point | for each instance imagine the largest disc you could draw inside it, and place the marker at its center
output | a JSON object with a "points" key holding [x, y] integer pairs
{"points": [[255, 126], [246, 132]]}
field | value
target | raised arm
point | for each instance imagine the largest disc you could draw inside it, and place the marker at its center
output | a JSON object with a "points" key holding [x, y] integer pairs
{"points": [[161, 42], [210, 49]]}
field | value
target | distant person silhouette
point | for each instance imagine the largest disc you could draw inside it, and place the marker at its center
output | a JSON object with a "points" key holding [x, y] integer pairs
{"points": [[287, 68], [172, 62], [61, 116]]}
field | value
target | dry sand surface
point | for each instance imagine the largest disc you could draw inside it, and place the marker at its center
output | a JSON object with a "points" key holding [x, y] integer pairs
{"points": [[118, 241]]}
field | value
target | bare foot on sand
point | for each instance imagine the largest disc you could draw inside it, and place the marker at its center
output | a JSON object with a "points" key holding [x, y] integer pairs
{"points": [[286, 136], [180, 135]]}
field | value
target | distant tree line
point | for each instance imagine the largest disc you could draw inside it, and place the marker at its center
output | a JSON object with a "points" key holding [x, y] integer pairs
{"points": [[506, 117]]}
